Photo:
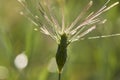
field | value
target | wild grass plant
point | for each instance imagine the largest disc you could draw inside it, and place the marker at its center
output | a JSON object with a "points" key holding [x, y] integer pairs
{"points": [[65, 23], [50, 17]]}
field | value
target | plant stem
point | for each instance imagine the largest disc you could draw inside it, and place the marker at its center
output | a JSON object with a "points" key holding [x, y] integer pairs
{"points": [[59, 78]]}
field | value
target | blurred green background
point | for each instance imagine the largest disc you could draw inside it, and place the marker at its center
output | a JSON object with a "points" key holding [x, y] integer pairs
{"points": [[97, 59]]}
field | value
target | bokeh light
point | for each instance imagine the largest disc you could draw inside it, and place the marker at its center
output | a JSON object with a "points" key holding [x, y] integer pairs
{"points": [[21, 61], [3, 73], [52, 67]]}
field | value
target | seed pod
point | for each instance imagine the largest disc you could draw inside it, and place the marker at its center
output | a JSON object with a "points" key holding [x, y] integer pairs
{"points": [[61, 54]]}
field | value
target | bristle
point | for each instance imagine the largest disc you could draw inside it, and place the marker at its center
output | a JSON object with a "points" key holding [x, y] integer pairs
{"points": [[80, 16], [49, 24], [116, 3], [87, 31]]}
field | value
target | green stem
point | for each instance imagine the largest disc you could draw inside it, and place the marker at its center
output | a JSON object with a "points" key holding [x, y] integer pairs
{"points": [[59, 78]]}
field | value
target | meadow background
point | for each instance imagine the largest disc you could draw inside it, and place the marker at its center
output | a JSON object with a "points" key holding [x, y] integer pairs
{"points": [[96, 59]]}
